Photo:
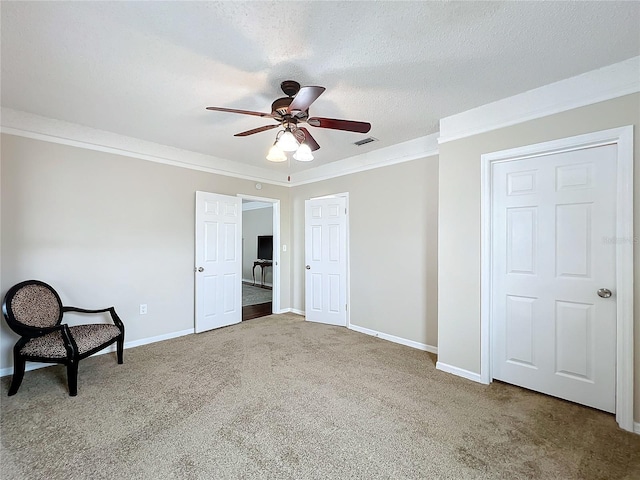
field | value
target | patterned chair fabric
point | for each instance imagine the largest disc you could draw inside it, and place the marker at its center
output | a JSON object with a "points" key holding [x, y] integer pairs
{"points": [[34, 311], [36, 306], [87, 338]]}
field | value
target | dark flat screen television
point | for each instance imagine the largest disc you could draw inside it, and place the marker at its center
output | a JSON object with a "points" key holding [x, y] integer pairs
{"points": [[265, 247]]}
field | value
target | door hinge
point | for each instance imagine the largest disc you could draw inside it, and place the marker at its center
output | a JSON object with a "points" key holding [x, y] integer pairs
{"points": [[346, 307]]}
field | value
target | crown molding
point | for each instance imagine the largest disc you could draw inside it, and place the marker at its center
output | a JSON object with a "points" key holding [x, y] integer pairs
{"points": [[23, 124], [609, 82], [420, 147]]}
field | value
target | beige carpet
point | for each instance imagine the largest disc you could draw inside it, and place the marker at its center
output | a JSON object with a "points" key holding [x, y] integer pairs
{"points": [[278, 398]]}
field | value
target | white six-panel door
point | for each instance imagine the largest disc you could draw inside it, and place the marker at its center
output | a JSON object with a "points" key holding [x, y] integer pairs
{"points": [[218, 272], [553, 248], [326, 260]]}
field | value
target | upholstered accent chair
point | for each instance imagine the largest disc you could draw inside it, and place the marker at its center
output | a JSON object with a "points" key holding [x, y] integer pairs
{"points": [[34, 311]]}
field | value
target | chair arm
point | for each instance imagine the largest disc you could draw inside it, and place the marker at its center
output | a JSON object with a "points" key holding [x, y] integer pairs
{"points": [[84, 310], [28, 333], [33, 332], [112, 311], [69, 343]]}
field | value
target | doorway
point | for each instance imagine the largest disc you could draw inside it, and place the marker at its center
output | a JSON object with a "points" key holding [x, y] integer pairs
{"points": [[557, 273], [260, 265]]}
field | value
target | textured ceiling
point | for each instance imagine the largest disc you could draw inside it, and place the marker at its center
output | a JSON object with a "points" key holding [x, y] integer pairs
{"points": [[149, 69]]}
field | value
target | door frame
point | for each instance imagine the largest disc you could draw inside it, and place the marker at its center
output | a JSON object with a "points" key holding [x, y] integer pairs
{"points": [[275, 292], [624, 240], [348, 259]]}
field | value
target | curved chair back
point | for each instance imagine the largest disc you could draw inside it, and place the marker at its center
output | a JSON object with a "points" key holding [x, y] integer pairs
{"points": [[32, 304]]}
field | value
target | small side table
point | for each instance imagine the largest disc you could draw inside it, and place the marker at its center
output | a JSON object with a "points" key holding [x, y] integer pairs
{"points": [[262, 264]]}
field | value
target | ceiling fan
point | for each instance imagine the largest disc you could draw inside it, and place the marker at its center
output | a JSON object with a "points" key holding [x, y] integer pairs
{"points": [[290, 111]]}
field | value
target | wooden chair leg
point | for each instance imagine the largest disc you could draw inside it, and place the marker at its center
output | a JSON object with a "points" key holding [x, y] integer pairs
{"points": [[18, 373], [120, 345], [72, 378]]}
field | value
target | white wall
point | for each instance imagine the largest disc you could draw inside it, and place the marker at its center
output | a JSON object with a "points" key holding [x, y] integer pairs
{"points": [[106, 230], [393, 228], [255, 222], [459, 221]]}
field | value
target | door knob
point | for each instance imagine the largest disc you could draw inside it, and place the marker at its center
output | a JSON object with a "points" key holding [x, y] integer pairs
{"points": [[308, 267], [604, 293], [200, 269]]}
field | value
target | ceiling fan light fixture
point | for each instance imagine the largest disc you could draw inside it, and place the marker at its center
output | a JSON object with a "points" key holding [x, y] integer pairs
{"points": [[287, 142], [288, 112], [303, 154], [276, 154]]}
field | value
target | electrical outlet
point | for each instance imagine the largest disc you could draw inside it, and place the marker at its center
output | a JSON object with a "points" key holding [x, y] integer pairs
{"points": [[143, 309]]}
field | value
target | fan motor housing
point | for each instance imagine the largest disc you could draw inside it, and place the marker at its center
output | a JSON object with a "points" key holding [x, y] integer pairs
{"points": [[281, 105]]}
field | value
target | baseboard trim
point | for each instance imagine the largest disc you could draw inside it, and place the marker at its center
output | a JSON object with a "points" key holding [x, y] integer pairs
{"points": [[460, 372], [636, 427], [249, 281], [112, 348], [290, 310], [30, 366], [394, 339], [158, 338]]}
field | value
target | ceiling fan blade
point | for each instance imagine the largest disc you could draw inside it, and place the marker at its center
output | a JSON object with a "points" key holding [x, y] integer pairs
{"points": [[244, 112], [255, 130], [313, 145], [305, 97], [335, 124]]}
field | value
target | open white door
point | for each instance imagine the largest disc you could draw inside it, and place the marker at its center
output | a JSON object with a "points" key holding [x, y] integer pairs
{"points": [[218, 269], [554, 274], [326, 260]]}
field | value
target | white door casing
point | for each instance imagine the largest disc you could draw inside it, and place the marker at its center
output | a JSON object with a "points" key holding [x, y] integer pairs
{"points": [[326, 260], [218, 268], [621, 168], [552, 217]]}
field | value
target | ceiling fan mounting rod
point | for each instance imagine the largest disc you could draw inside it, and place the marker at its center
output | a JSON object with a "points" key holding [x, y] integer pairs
{"points": [[290, 87], [289, 121]]}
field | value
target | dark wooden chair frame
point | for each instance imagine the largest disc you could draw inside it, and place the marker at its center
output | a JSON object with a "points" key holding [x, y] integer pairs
{"points": [[27, 332]]}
